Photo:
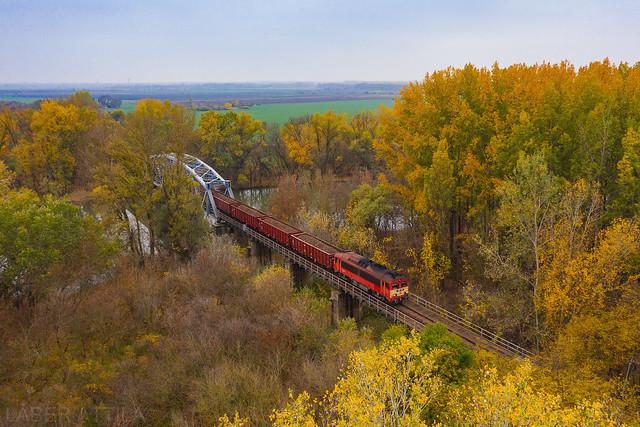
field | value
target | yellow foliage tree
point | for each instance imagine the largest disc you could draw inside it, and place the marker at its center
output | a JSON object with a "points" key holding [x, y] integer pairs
{"points": [[516, 401], [587, 282], [6, 178], [390, 385], [57, 144], [299, 412], [429, 264], [318, 142], [237, 421], [46, 162]]}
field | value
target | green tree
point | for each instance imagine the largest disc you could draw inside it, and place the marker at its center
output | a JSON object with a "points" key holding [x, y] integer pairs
{"points": [[627, 201], [453, 358], [439, 201], [525, 219], [371, 207], [363, 131], [46, 243], [394, 332], [179, 216]]}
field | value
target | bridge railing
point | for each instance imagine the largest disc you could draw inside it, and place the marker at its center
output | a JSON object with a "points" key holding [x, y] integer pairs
{"points": [[467, 324]]}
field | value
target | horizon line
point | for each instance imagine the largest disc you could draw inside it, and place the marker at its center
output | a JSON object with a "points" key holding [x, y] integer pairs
{"points": [[238, 82]]}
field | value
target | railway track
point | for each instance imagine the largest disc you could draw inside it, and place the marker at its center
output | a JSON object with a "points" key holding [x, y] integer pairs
{"points": [[415, 312], [485, 339], [411, 311]]}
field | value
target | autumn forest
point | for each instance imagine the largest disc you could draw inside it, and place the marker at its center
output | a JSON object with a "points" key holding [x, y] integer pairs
{"points": [[508, 194]]}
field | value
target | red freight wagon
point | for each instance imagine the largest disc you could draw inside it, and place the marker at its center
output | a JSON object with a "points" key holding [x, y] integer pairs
{"points": [[311, 247], [277, 230], [223, 202], [246, 214]]}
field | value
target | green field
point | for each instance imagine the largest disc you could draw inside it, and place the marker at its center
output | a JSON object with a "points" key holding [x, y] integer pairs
{"points": [[24, 99], [280, 113], [274, 113]]}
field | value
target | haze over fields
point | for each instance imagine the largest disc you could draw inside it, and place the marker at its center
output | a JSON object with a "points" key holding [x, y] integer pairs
{"points": [[120, 41], [171, 50]]}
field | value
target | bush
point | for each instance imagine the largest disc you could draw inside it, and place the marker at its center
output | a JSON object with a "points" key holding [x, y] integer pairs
{"points": [[454, 356]]}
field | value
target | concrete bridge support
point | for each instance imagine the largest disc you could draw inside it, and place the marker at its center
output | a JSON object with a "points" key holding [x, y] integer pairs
{"points": [[242, 239], [222, 228], [260, 251], [299, 276], [344, 305]]}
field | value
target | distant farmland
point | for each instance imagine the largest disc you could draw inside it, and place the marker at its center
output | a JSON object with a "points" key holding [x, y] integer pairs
{"points": [[281, 112], [24, 99]]}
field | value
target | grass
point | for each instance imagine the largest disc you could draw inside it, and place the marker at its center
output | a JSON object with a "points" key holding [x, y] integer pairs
{"points": [[272, 113]]}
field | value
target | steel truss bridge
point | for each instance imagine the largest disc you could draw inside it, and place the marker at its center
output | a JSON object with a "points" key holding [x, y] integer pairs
{"points": [[415, 312]]}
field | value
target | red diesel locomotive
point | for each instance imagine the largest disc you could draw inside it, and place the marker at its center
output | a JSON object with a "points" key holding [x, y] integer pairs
{"points": [[386, 284], [389, 284]]}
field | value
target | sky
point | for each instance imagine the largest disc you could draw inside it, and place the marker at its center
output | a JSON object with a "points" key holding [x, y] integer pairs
{"points": [[151, 41]]}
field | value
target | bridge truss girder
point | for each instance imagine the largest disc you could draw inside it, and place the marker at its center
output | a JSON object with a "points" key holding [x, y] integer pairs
{"points": [[208, 178]]}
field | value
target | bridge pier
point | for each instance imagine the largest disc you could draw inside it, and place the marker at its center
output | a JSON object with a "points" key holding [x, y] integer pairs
{"points": [[220, 229], [344, 305], [299, 276], [261, 251], [242, 239]]}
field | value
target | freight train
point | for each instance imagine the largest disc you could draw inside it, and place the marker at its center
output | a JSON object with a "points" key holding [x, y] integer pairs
{"points": [[372, 277]]}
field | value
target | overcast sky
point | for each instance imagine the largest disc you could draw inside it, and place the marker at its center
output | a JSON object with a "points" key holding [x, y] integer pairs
{"points": [[85, 41]]}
